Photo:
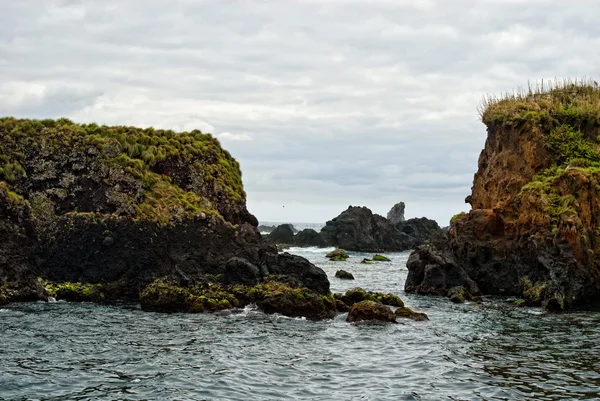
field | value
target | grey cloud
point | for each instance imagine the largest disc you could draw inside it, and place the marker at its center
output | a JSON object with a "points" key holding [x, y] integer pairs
{"points": [[345, 102]]}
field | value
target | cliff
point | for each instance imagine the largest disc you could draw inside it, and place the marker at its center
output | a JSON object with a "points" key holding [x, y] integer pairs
{"points": [[533, 230], [100, 213]]}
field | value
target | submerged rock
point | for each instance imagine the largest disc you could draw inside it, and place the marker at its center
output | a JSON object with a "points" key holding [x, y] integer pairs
{"points": [[343, 274], [370, 310], [380, 258], [408, 313]]}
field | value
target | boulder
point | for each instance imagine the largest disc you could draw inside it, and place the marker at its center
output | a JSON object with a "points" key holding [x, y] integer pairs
{"points": [[283, 234], [356, 295], [309, 305], [380, 258], [344, 275], [396, 213], [370, 310], [296, 271], [308, 237]]}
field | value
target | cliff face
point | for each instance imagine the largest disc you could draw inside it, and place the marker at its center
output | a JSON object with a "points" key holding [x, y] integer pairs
{"points": [[122, 207], [533, 230]]}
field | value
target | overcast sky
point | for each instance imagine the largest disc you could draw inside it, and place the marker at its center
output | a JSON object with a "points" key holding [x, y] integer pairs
{"points": [[324, 103]]}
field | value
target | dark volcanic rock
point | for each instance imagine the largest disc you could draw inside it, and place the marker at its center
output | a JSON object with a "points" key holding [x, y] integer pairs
{"points": [[396, 213], [105, 213], [433, 270], [419, 229], [297, 271], [18, 281], [343, 274], [358, 229], [308, 237], [240, 271], [283, 234], [311, 306]]}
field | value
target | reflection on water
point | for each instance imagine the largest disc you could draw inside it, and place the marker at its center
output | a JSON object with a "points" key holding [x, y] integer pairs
{"points": [[63, 351]]}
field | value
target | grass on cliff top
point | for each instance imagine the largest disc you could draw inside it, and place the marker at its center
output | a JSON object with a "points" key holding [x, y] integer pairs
{"points": [[154, 156], [566, 101]]}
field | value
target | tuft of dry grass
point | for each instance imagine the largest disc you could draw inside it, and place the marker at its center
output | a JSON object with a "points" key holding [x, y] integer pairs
{"points": [[556, 102]]}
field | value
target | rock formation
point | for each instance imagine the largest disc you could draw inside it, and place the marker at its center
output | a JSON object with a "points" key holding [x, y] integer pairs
{"points": [[396, 213], [359, 229], [100, 213], [282, 234], [308, 237], [533, 230]]}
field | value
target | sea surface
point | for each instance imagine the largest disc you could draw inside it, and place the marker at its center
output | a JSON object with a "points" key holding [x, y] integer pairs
{"points": [[494, 351]]}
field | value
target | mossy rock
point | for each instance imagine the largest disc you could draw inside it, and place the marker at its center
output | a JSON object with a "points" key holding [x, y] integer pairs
{"points": [[408, 313], [380, 258], [370, 310], [366, 261], [357, 295], [163, 295], [338, 255], [75, 292], [534, 293]]}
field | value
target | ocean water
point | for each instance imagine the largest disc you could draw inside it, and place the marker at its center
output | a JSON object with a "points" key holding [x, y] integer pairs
{"points": [[494, 351]]}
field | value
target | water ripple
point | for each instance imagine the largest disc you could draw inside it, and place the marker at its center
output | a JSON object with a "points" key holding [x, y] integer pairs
{"points": [[63, 351]]}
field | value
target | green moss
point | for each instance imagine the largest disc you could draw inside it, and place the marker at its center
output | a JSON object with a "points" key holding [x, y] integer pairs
{"points": [[74, 291], [458, 217], [380, 258], [182, 174], [533, 293], [358, 294]]}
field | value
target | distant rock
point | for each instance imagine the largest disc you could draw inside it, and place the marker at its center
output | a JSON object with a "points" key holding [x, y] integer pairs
{"points": [[269, 229], [344, 275], [396, 214], [308, 237], [419, 229], [358, 229], [283, 234], [380, 258]]}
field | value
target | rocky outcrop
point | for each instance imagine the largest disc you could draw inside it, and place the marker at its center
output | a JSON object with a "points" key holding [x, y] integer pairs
{"points": [[358, 229], [283, 234], [533, 228], [396, 213], [107, 213], [308, 237]]}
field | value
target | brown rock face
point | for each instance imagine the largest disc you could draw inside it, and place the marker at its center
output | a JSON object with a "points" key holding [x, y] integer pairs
{"points": [[509, 160], [534, 227]]}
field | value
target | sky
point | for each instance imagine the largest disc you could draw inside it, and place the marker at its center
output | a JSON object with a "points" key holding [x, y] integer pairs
{"points": [[325, 104]]}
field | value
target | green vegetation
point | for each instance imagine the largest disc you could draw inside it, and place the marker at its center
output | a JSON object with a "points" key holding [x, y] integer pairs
{"points": [[572, 102], [358, 294], [78, 292], [380, 258], [181, 174], [567, 113], [457, 217]]}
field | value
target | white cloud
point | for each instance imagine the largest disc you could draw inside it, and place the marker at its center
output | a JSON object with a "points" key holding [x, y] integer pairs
{"points": [[228, 136]]}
